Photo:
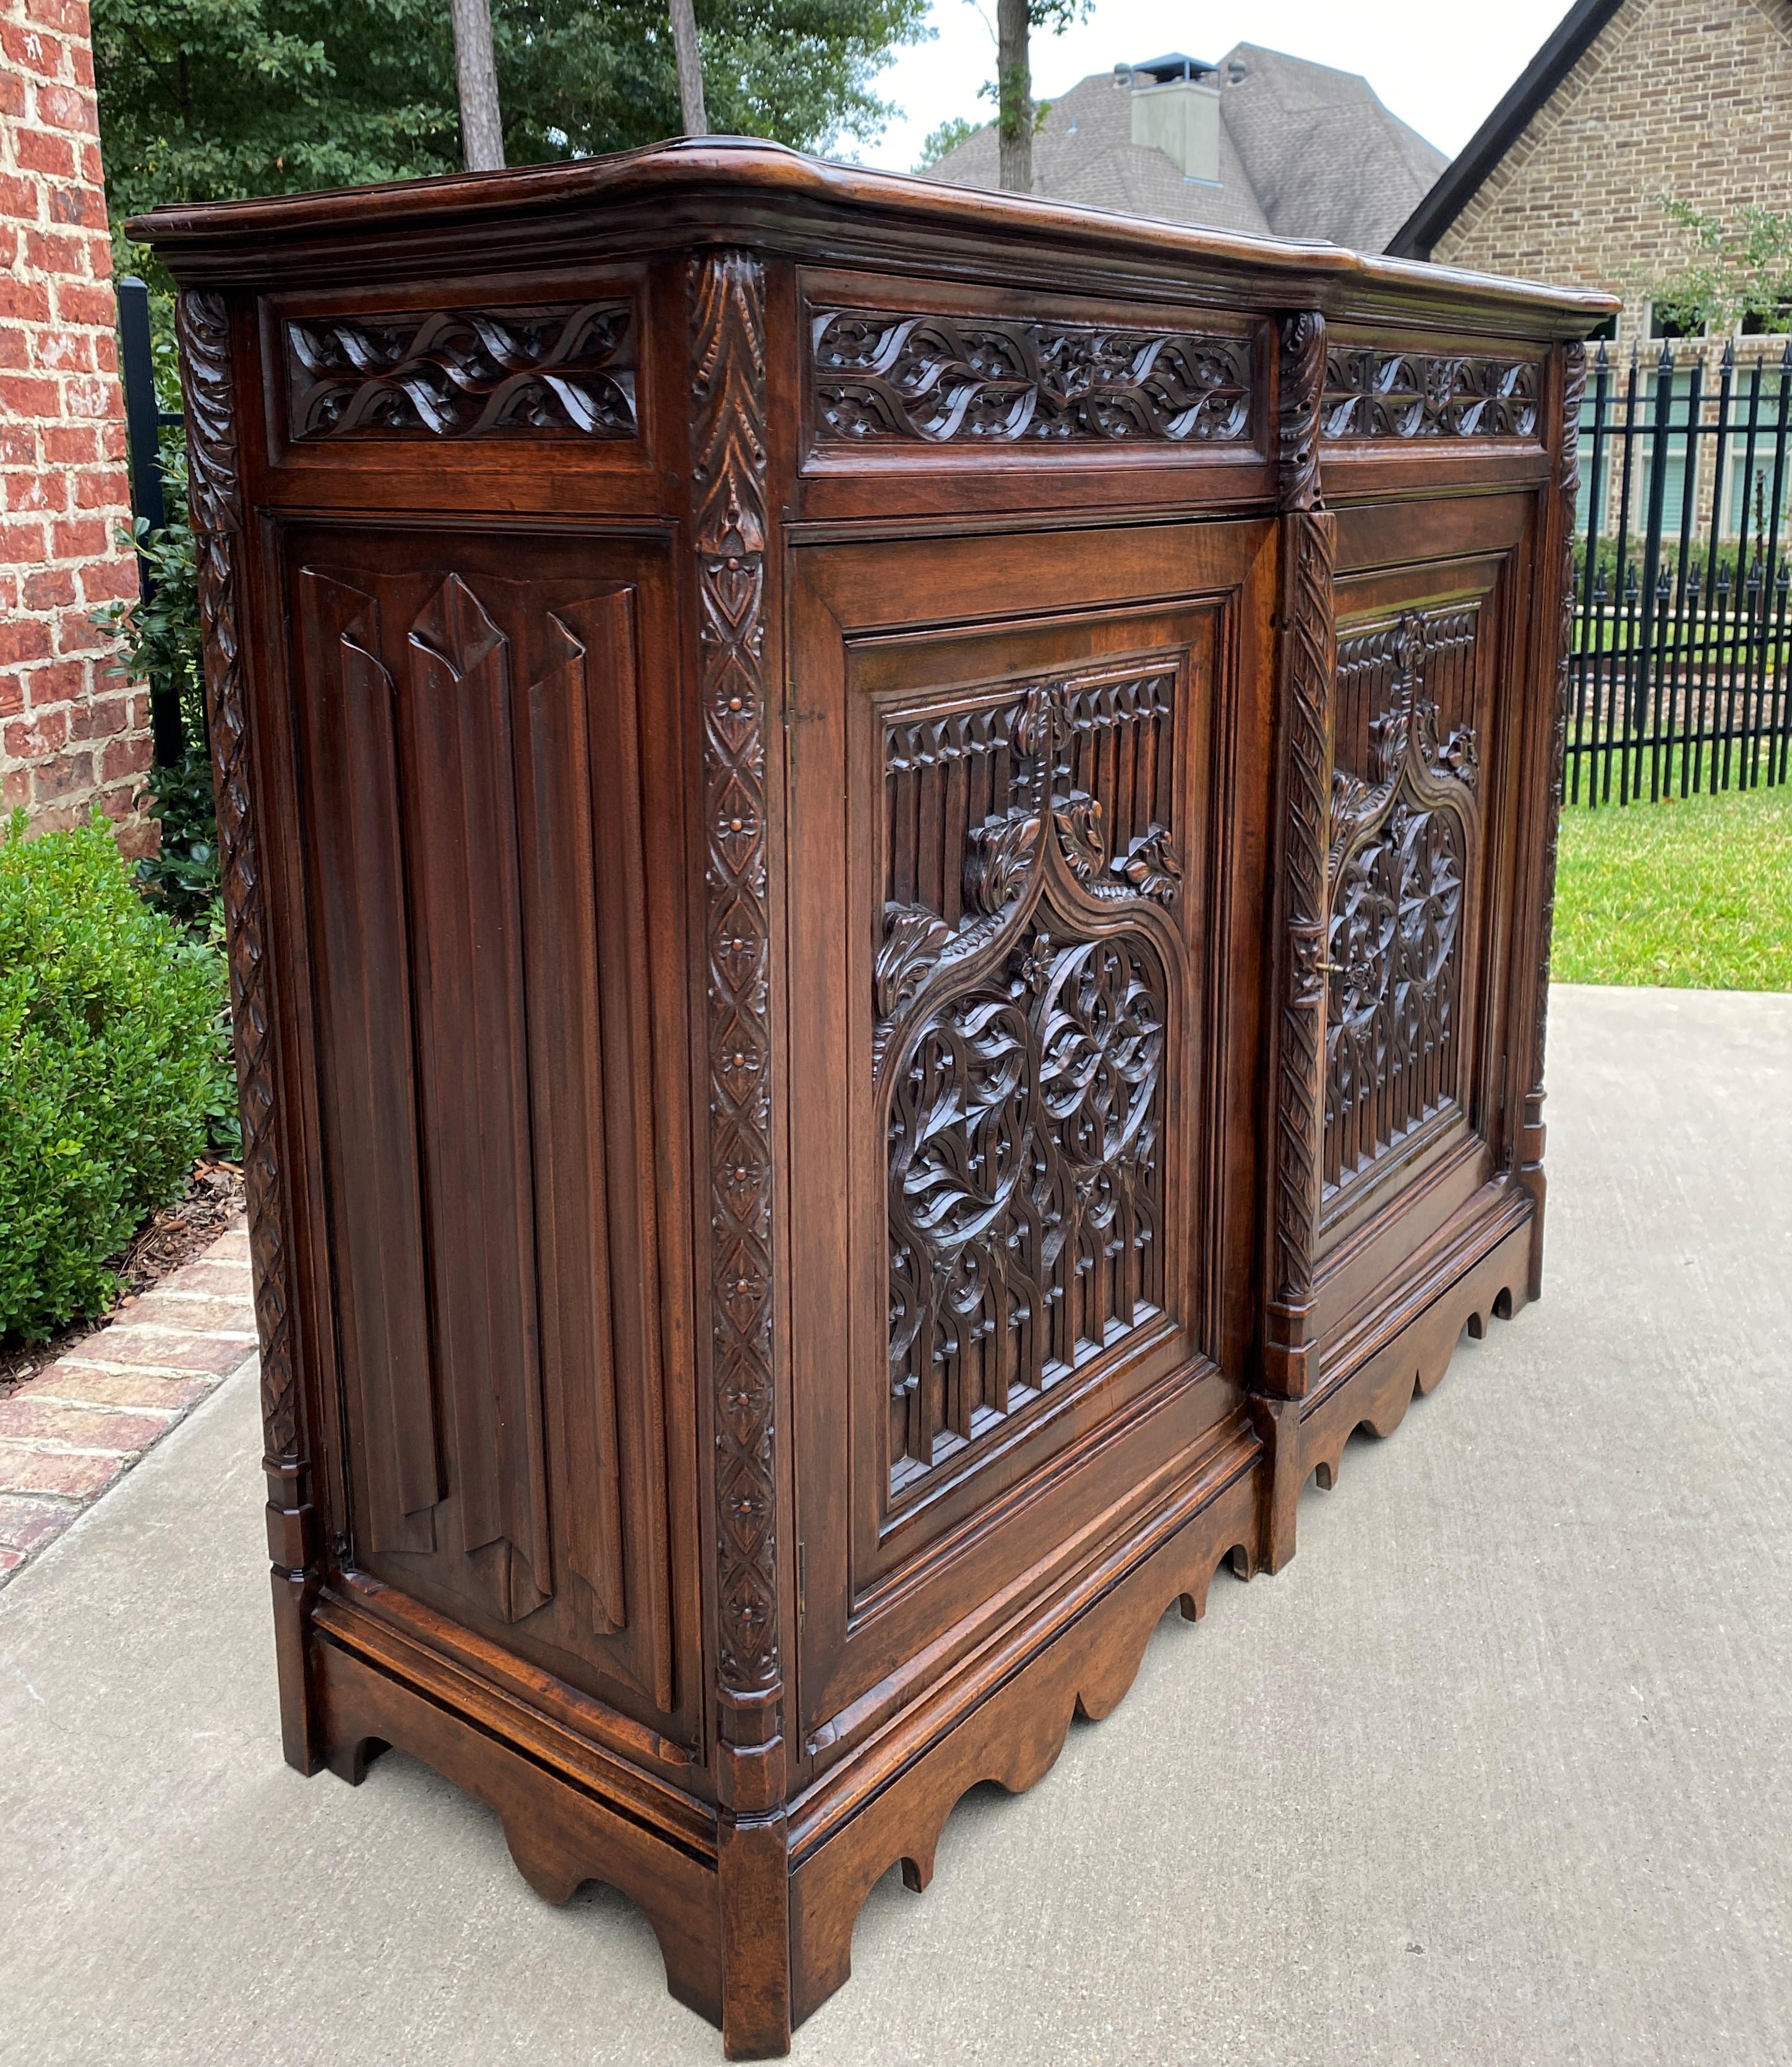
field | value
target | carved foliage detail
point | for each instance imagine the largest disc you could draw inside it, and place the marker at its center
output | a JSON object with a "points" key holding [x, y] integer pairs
{"points": [[1026, 1188], [1370, 393], [216, 499], [1019, 1041], [463, 373], [1404, 842], [1085, 761], [729, 464], [941, 377]]}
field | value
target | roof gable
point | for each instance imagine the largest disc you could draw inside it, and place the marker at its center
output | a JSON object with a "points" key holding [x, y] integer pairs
{"points": [[1562, 51]]}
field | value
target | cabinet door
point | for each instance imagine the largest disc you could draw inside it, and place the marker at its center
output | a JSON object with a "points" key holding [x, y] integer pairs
{"points": [[1426, 718], [465, 719], [1025, 826]]}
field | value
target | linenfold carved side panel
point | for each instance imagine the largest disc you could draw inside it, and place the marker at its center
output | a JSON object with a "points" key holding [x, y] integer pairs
{"points": [[366, 1081], [459, 748], [568, 849], [445, 733], [1018, 1045], [729, 466], [1405, 843], [1370, 393], [216, 497], [880, 374], [566, 370]]}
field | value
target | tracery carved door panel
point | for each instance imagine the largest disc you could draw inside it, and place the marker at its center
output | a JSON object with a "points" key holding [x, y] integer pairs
{"points": [[465, 719], [1027, 1036], [1412, 1061]]}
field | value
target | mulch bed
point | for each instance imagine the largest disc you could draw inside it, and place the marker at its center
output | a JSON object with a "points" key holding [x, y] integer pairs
{"points": [[168, 1238]]}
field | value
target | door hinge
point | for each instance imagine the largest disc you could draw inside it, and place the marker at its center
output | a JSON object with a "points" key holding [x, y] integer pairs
{"points": [[801, 1581]]}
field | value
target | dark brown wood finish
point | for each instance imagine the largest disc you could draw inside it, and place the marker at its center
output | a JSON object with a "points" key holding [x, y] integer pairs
{"points": [[887, 855]]}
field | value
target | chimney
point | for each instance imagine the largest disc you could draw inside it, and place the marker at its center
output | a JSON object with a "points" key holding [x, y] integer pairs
{"points": [[1176, 109]]}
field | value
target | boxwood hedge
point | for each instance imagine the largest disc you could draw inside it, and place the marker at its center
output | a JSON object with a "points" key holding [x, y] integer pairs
{"points": [[113, 1068]]}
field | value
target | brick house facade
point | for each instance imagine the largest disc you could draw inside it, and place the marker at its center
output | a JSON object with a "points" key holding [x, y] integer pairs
{"points": [[72, 735], [1629, 101]]}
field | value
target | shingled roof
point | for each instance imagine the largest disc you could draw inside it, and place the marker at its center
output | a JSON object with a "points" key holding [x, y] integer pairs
{"points": [[1305, 152]]}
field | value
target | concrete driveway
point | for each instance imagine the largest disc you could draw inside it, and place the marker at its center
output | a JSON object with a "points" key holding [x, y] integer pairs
{"points": [[1498, 1770]]}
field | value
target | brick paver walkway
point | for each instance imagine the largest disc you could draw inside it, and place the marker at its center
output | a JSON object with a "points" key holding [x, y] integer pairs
{"points": [[77, 1427]]}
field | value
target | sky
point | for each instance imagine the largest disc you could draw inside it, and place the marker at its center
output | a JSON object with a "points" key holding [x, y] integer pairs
{"points": [[1440, 69]]}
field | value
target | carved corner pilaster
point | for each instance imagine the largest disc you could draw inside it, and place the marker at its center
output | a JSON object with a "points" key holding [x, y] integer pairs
{"points": [[728, 530], [728, 451], [1567, 482], [1300, 391], [215, 495], [1306, 664]]}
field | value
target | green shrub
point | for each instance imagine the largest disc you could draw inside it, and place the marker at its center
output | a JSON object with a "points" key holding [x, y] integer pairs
{"points": [[183, 876], [160, 644], [112, 1066]]}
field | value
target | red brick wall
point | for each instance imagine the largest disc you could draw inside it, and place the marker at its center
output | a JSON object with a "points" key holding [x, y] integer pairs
{"points": [[71, 735]]}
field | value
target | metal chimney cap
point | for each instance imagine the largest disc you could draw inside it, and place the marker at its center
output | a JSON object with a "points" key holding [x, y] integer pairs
{"points": [[1173, 65]]}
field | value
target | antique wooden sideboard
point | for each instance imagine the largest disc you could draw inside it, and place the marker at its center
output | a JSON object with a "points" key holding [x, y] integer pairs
{"points": [[888, 854]]}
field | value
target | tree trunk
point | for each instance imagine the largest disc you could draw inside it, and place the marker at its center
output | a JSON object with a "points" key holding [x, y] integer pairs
{"points": [[1014, 97], [690, 69], [481, 126]]}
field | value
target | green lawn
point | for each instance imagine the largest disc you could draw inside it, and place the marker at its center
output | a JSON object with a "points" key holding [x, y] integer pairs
{"points": [[1695, 893]]}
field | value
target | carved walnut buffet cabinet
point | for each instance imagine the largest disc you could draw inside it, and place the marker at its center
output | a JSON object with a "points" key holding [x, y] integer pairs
{"points": [[888, 854]]}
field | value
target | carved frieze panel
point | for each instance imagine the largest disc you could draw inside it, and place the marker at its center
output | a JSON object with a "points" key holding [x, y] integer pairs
{"points": [[566, 370], [941, 380], [1371, 393], [1023, 994], [1405, 827]]}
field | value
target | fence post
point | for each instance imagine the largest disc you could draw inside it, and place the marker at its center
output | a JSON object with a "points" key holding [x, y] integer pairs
{"points": [[1644, 725], [144, 418]]}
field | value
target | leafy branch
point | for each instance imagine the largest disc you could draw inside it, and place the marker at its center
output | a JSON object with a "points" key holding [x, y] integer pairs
{"points": [[1739, 269]]}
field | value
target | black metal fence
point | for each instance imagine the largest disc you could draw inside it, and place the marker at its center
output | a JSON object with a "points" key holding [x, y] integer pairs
{"points": [[1679, 680], [144, 419]]}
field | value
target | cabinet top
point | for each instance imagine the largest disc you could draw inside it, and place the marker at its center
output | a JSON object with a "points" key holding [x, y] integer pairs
{"points": [[697, 192]]}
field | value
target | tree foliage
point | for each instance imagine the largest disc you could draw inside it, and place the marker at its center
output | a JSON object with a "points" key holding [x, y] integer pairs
{"points": [[950, 134], [210, 99], [1738, 269]]}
